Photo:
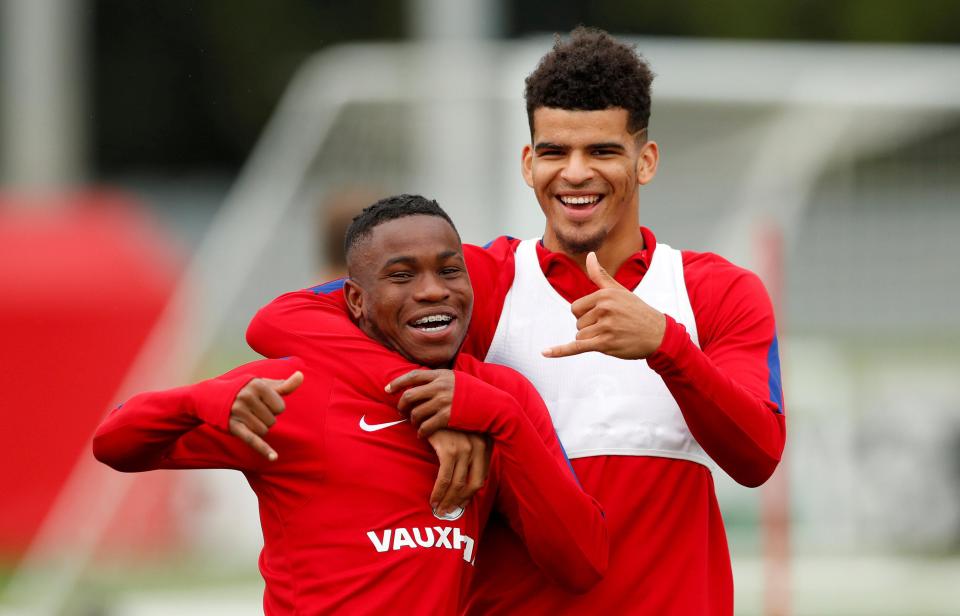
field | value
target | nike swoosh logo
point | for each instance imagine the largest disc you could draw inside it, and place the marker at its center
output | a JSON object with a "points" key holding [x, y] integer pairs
{"points": [[374, 427]]}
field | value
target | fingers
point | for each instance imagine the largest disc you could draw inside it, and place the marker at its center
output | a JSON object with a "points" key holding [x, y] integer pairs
{"points": [[455, 494], [241, 431], [257, 400], [597, 333], [290, 385], [418, 395], [414, 377], [252, 414], [255, 408], [444, 477], [479, 464], [469, 473], [423, 402], [464, 462], [588, 319], [430, 426], [598, 275], [572, 348], [585, 304], [454, 450], [428, 410]]}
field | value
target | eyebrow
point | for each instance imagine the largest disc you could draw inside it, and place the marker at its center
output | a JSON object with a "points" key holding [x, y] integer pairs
{"points": [[408, 260], [607, 145], [611, 145], [401, 259], [546, 145]]}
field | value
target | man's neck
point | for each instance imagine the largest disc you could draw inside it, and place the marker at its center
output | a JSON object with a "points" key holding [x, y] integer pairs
{"points": [[613, 252]]}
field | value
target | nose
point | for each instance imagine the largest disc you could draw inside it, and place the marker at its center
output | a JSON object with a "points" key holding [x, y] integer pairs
{"points": [[431, 288], [577, 170]]}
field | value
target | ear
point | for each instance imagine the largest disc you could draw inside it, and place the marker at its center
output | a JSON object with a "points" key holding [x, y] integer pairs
{"points": [[353, 295], [647, 162], [526, 164]]}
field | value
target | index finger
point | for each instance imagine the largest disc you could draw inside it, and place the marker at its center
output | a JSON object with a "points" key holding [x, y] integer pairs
{"points": [[571, 348], [457, 488], [444, 477], [414, 377], [241, 431]]}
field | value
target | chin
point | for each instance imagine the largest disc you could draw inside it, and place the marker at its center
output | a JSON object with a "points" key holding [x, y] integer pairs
{"points": [[581, 244], [437, 362], [435, 358]]}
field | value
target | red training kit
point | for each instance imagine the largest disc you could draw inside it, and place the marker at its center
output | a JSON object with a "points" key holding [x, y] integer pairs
{"points": [[668, 549], [346, 520]]}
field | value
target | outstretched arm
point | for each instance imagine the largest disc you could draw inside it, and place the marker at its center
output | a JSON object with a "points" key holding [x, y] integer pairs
{"points": [[218, 423]]}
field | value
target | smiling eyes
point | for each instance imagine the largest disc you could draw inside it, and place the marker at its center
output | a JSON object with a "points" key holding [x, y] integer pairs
{"points": [[406, 275], [553, 154]]}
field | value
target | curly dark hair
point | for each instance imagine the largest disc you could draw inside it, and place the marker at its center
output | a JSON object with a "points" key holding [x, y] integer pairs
{"points": [[591, 71], [387, 209]]}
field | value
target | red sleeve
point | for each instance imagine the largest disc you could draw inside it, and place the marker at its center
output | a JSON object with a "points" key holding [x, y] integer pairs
{"points": [[728, 389], [560, 524], [185, 427], [296, 321], [491, 274], [314, 320], [316, 327], [512, 382]]}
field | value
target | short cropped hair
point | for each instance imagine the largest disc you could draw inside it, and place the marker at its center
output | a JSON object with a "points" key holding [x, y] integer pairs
{"points": [[387, 209], [591, 71]]}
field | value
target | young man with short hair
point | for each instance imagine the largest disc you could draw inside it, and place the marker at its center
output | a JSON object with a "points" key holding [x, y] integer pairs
{"points": [[342, 479], [652, 375]]}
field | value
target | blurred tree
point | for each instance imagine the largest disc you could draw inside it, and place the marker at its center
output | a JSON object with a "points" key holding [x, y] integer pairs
{"points": [[922, 21], [189, 83]]}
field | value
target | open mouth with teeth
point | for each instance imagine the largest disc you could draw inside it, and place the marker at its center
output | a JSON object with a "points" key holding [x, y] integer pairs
{"points": [[433, 323], [579, 206]]}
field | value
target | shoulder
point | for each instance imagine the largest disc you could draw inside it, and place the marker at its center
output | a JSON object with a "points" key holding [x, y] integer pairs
{"points": [[725, 297], [494, 253], [709, 273], [326, 294], [708, 264], [491, 272], [268, 368]]}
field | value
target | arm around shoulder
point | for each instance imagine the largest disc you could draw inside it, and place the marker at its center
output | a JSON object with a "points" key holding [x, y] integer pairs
{"points": [[562, 526]]}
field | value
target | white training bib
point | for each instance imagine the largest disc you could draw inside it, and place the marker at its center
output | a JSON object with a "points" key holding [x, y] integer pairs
{"points": [[600, 405]]}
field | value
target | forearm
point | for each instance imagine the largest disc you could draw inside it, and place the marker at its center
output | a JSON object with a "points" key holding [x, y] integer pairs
{"points": [[302, 323], [562, 526], [741, 430], [142, 433]]}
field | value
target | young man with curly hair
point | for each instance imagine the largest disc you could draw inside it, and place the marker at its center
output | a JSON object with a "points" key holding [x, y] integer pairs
{"points": [[653, 375]]}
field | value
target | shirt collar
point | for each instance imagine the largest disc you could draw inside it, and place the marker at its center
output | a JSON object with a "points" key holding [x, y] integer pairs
{"points": [[571, 282]]}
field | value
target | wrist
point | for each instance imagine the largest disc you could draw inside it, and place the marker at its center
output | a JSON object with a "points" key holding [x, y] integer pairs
{"points": [[478, 406], [213, 399], [672, 344]]}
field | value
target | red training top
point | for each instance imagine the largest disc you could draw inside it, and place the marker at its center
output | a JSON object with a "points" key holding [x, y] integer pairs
{"points": [[346, 521], [668, 550]]}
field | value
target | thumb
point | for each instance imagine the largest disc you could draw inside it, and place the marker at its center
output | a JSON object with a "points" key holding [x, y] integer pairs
{"points": [[290, 385], [598, 275]]}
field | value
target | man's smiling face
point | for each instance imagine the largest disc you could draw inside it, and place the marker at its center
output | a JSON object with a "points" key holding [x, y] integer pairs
{"points": [[409, 288], [585, 168]]}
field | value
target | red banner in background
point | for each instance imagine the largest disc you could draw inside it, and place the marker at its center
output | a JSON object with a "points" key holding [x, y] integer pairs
{"points": [[82, 282]]}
